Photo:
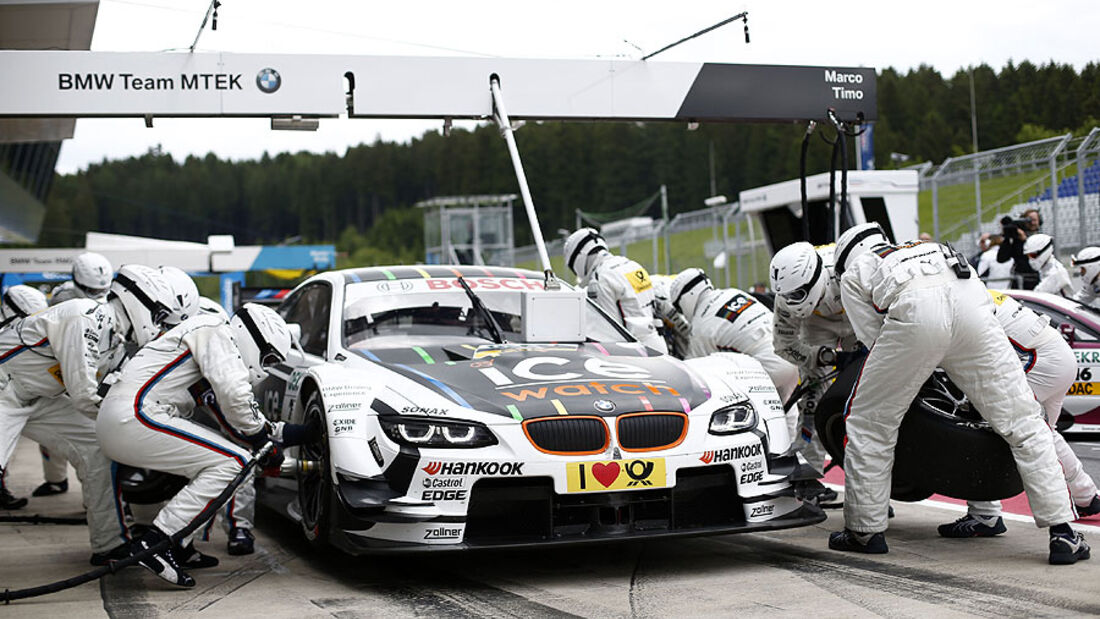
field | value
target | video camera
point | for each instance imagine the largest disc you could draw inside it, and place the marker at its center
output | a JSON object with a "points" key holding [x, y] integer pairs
{"points": [[1010, 225]]}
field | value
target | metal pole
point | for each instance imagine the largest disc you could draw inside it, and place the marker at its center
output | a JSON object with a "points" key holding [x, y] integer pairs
{"points": [[973, 112], [655, 236], [1084, 238], [978, 194], [1054, 195], [664, 215], [752, 245], [726, 242], [501, 117], [935, 210], [740, 248]]}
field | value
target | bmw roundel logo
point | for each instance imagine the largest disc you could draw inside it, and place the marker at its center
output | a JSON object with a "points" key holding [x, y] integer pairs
{"points": [[268, 80], [604, 406]]}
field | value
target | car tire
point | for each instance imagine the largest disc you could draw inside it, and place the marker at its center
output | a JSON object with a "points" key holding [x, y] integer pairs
{"points": [[315, 484], [941, 447]]}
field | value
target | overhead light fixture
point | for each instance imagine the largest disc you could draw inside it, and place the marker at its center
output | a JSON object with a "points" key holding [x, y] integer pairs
{"points": [[294, 123]]}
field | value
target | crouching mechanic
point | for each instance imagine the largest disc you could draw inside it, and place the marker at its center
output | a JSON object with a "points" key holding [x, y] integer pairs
{"points": [[920, 306], [809, 328], [143, 423], [621, 287], [1087, 264], [1051, 368], [731, 320], [48, 367], [19, 301]]}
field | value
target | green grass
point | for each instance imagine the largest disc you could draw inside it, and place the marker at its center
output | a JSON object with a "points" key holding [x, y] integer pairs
{"points": [[957, 201]]}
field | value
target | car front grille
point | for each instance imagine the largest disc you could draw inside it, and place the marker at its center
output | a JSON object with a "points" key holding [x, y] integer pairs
{"points": [[568, 435], [651, 431]]}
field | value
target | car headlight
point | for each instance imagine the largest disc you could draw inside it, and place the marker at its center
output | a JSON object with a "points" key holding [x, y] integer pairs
{"points": [[420, 432], [733, 418]]}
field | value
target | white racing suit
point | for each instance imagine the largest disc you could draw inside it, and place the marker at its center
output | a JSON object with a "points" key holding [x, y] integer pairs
{"points": [[623, 289], [143, 420], [1088, 296], [908, 303], [1054, 279], [732, 320], [1051, 368], [799, 340], [55, 468], [48, 366]]}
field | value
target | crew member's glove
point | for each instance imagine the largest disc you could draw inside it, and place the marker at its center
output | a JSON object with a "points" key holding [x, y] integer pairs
{"points": [[294, 434], [259, 439], [271, 461]]}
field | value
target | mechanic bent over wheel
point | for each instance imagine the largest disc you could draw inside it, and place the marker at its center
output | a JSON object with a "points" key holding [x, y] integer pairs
{"points": [[142, 422], [920, 306]]}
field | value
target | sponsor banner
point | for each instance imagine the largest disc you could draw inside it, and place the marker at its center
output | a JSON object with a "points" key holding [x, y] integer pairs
{"points": [[729, 454], [1087, 356], [476, 469], [84, 83], [770, 509], [1084, 389], [616, 475]]}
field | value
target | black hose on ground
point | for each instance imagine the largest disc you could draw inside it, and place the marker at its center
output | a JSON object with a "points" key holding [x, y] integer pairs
{"points": [[114, 566], [37, 519]]}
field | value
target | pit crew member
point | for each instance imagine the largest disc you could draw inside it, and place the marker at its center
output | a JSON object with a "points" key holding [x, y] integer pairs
{"points": [[19, 301], [1053, 276], [1087, 264], [919, 306]]}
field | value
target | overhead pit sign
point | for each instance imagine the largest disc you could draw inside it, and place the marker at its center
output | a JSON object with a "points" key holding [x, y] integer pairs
{"points": [[89, 84]]}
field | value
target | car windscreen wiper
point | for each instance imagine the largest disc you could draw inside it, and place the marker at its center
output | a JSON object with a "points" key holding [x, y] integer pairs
{"points": [[490, 321]]}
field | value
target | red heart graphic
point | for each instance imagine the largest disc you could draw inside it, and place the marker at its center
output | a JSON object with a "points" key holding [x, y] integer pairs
{"points": [[606, 474]]}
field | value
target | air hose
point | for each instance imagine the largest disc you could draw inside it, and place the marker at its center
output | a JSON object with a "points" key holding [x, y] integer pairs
{"points": [[37, 519], [802, 180], [114, 566]]}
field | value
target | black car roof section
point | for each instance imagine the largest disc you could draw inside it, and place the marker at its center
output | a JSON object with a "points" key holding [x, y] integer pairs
{"points": [[429, 271]]}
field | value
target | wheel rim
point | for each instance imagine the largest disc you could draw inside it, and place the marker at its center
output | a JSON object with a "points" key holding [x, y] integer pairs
{"points": [[311, 480]]}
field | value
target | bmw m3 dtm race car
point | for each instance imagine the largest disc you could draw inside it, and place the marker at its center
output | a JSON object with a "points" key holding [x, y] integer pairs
{"points": [[466, 407]]}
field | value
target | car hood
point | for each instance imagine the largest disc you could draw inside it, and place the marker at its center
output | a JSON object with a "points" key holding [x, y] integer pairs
{"points": [[528, 381]]}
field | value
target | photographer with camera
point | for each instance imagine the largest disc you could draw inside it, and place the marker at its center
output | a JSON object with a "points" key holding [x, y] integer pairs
{"points": [[1015, 233]]}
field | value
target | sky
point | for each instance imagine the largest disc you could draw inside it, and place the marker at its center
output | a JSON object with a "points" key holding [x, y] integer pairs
{"points": [[945, 35]]}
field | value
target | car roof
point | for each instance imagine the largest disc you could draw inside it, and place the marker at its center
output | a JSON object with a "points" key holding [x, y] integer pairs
{"points": [[1068, 306], [429, 271]]}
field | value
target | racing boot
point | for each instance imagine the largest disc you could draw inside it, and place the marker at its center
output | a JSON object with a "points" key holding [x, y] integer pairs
{"points": [[973, 526], [1091, 509], [162, 563], [1067, 546], [191, 559], [241, 541], [117, 553], [49, 488], [10, 501], [851, 541]]}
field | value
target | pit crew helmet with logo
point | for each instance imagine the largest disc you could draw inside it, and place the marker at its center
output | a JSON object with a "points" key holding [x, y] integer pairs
{"points": [[1039, 248], [1087, 263], [144, 301], [856, 241], [262, 337], [687, 288], [580, 248], [185, 295], [92, 274], [798, 275], [20, 301]]}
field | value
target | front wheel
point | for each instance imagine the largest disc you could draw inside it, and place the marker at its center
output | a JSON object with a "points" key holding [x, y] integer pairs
{"points": [[314, 482]]}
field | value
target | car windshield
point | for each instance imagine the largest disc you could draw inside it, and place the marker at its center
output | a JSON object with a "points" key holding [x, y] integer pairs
{"points": [[440, 307]]}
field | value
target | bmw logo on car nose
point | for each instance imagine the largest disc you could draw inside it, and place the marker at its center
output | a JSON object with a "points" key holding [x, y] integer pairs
{"points": [[268, 80], [604, 406]]}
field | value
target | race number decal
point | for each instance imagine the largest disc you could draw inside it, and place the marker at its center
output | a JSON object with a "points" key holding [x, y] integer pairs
{"points": [[733, 308], [1083, 384], [615, 475], [639, 280]]}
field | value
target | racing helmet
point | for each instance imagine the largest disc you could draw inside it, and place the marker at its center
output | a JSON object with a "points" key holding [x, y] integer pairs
{"points": [[1039, 248], [210, 306], [1087, 262], [185, 295], [686, 290], [579, 249], [145, 300], [262, 337], [92, 275], [20, 301], [798, 275], [855, 242]]}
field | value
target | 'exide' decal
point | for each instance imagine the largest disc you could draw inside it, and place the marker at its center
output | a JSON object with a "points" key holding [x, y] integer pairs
{"points": [[474, 468]]}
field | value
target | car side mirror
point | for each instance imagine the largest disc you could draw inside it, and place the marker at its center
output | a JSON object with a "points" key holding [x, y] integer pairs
{"points": [[1069, 332], [295, 333]]}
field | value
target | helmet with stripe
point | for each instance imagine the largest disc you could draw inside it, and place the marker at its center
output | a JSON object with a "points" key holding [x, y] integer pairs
{"points": [[145, 299], [798, 276], [580, 249], [262, 337], [686, 290], [1039, 249], [20, 301], [1087, 263], [855, 242]]}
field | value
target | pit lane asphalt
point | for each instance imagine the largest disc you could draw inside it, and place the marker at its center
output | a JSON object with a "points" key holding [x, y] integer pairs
{"points": [[776, 574]]}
